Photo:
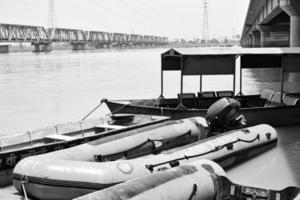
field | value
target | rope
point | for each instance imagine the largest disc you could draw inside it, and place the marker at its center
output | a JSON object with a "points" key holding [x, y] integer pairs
{"points": [[92, 111], [229, 146], [193, 193], [24, 180]]}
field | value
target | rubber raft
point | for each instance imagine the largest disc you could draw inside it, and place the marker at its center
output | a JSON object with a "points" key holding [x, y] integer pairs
{"points": [[200, 180], [196, 180], [66, 174]]}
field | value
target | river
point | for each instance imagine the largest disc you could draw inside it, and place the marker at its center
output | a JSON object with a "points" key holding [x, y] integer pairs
{"points": [[43, 89]]}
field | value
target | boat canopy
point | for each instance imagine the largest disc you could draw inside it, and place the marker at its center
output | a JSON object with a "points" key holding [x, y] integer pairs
{"points": [[217, 61], [198, 64], [192, 58], [287, 59]]}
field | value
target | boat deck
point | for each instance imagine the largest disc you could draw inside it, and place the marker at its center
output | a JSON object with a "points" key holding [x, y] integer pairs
{"points": [[280, 163]]}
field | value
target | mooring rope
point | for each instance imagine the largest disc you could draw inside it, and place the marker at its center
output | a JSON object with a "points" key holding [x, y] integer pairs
{"points": [[194, 191], [92, 111], [229, 146], [24, 180]]}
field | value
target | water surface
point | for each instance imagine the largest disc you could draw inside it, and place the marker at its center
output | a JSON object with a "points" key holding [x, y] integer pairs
{"points": [[38, 90]]}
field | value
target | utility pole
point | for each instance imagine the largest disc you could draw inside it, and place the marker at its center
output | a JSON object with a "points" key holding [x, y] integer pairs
{"points": [[52, 22], [205, 30]]}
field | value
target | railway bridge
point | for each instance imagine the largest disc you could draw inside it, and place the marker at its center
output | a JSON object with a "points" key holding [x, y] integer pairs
{"points": [[272, 23], [42, 38]]}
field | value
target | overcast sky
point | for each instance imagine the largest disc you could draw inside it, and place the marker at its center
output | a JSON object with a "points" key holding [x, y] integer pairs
{"points": [[172, 18]]}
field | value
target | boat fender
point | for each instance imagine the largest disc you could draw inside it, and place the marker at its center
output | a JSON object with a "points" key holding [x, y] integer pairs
{"points": [[223, 115]]}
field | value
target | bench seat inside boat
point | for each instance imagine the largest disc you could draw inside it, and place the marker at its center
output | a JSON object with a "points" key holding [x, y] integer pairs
{"points": [[109, 127], [189, 100], [57, 137], [291, 100]]}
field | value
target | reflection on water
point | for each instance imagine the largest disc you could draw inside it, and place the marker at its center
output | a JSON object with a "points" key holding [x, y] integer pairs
{"points": [[43, 89], [270, 78], [277, 168]]}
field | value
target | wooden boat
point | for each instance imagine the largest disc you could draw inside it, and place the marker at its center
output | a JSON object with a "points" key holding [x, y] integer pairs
{"points": [[15, 147], [201, 180], [73, 172], [261, 108]]}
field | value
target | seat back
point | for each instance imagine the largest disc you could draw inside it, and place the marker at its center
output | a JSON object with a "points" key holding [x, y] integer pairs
{"points": [[225, 93], [276, 99], [188, 100], [206, 94], [266, 95], [206, 99], [290, 100]]}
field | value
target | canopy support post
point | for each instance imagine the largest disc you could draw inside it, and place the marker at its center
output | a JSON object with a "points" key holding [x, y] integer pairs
{"points": [[241, 80], [282, 77], [161, 97], [233, 84], [200, 83], [180, 105]]}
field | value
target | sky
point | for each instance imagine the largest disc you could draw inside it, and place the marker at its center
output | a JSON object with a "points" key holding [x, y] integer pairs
{"points": [[171, 18]]}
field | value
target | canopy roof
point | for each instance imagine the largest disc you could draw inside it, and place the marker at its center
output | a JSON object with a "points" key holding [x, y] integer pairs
{"points": [[222, 60]]}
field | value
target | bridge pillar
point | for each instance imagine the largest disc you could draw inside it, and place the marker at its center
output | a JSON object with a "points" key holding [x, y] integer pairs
{"points": [[264, 31], [250, 40], [42, 46], [292, 8], [255, 38], [99, 46], [4, 48], [295, 31], [274, 35], [78, 46]]}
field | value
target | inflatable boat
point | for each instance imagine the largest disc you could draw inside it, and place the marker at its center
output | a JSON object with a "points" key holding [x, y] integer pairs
{"points": [[14, 147], [202, 180], [193, 181], [66, 174]]}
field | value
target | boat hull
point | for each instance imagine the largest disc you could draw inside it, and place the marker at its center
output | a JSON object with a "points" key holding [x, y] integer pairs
{"points": [[8, 159], [275, 116], [66, 176]]}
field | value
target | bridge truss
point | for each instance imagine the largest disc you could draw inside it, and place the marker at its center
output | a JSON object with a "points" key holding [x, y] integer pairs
{"points": [[36, 34]]}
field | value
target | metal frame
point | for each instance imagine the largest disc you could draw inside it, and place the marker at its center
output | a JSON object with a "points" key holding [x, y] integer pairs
{"points": [[25, 33]]}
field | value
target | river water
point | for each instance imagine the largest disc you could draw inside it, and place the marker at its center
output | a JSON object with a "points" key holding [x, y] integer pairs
{"points": [[43, 89]]}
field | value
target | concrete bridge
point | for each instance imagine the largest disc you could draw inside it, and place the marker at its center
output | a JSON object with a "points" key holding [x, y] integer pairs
{"points": [[272, 23], [42, 38]]}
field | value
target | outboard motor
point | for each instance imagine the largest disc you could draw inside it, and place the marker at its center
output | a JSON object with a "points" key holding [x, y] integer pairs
{"points": [[223, 115]]}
